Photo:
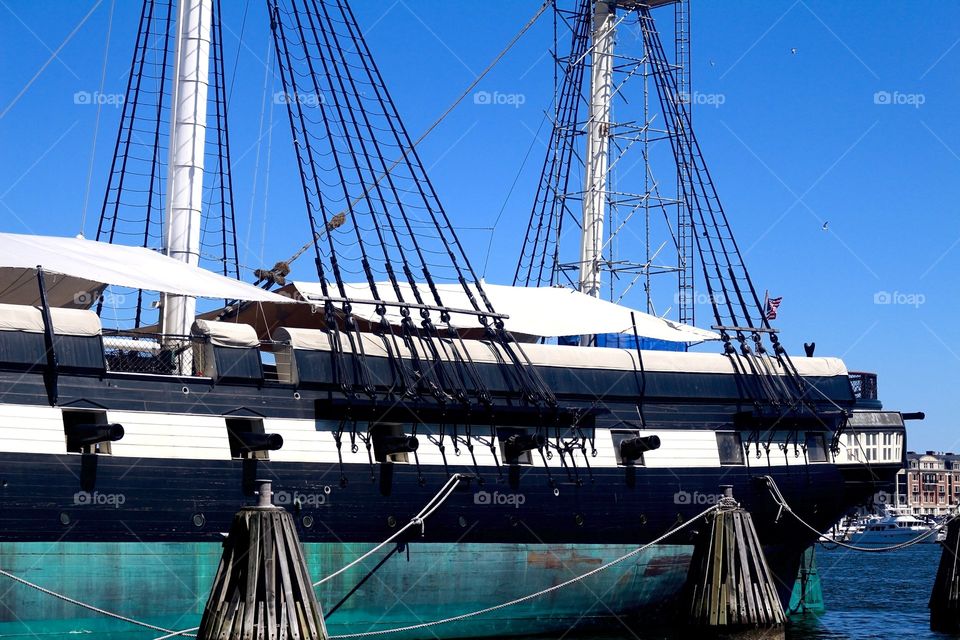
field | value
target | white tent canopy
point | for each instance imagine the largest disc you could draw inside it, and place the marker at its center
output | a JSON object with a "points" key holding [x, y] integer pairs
{"points": [[534, 311], [79, 270]]}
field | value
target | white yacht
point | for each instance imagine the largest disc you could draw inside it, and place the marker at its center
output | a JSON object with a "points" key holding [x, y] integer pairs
{"points": [[894, 528]]}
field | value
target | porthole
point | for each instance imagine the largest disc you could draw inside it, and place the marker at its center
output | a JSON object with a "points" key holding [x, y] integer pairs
{"points": [[199, 520], [64, 518], [307, 521]]}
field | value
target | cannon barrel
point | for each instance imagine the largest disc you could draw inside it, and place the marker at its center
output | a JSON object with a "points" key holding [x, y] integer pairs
{"points": [[519, 443], [389, 445], [633, 448], [85, 435], [251, 442]]}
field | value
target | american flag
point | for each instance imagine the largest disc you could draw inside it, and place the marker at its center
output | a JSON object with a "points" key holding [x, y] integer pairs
{"points": [[771, 307]]}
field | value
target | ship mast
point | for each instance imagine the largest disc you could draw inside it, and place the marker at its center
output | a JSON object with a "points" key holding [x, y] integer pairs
{"points": [[188, 120], [598, 147], [598, 150]]}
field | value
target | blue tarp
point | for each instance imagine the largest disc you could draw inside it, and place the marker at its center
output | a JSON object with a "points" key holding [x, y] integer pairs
{"points": [[626, 341]]}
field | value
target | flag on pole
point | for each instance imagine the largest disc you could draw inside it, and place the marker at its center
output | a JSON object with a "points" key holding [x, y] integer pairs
{"points": [[770, 306]]}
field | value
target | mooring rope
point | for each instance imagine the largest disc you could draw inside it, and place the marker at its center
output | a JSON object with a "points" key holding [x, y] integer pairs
{"points": [[90, 607], [782, 503], [472, 614], [418, 520]]}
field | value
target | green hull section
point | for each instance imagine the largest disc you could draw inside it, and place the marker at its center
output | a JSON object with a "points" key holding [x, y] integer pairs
{"points": [[807, 596], [167, 585]]}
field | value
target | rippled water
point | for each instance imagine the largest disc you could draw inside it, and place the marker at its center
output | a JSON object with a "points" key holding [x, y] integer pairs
{"points": [[876, 595], [867, 595]]}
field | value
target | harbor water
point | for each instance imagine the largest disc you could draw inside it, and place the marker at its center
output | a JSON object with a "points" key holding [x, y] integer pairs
{"points": [[877, 595]]}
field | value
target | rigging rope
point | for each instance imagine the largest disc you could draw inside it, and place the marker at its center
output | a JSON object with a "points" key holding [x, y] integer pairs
{"points": [[418, 520], [785, 507], [532, 596], [89, 607]]}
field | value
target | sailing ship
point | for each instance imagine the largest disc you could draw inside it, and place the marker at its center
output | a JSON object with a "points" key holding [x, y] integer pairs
{"points": [[126, 450]]}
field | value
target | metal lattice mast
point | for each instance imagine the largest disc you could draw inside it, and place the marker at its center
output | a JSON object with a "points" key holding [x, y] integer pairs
{"points": [[628, 218], [685, 253]]}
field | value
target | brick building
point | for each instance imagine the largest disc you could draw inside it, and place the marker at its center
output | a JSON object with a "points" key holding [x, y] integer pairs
{"points": [[930, 483]]}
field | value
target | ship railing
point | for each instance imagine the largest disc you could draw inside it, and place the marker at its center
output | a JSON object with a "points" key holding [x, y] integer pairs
{"points": [[864, 385], [175, 355], [152, 353]]}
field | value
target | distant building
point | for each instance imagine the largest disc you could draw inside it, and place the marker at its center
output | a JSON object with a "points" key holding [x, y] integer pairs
{"points": [[929, 484]]}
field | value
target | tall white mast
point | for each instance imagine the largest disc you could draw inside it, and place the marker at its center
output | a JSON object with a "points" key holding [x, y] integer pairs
{"points": [[188, 128], [598, 146]]}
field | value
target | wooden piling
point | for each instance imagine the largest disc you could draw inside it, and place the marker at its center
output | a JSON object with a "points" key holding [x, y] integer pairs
{"points": [[262, 590], [945, 598], [729, 589]]}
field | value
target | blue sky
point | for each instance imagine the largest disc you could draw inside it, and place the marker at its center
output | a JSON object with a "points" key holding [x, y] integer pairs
{"points": [[813, 112]]}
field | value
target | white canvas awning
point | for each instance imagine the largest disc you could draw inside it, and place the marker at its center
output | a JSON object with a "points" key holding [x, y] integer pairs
{"points": [[533, 311], [79, 270]]}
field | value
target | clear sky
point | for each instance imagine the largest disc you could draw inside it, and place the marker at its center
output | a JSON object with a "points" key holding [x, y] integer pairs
{"points": [[830, 129]]}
